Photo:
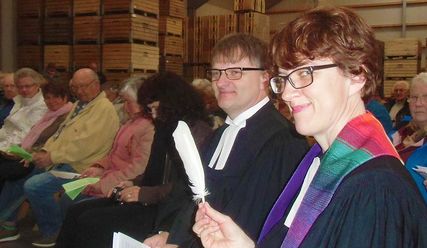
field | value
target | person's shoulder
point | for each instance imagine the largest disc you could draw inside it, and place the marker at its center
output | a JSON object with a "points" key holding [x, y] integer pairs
{"points": [[383, 175]]}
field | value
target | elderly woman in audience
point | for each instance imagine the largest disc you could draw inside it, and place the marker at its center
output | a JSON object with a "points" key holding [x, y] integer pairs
{"points": [[133, 210], [28, 109], [113, 94], [12, 168], [216, 114], [351, 189], [411, 140], [9, 92]]}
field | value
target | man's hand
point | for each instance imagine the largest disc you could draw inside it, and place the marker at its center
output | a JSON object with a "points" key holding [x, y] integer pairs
{"points": [[158, 240], [42, 159]]}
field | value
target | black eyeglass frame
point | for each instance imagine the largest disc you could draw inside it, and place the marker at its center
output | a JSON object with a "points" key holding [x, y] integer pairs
{"points": [[287, 78], [242, 69]]}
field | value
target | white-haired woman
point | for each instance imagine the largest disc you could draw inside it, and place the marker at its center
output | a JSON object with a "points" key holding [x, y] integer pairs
{"points": [[411, 140]]}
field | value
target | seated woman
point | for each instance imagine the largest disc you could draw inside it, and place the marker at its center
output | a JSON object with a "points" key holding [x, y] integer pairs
{"points": [[411, 140], [131, 149], [29, 108], [92, 223], [12, 168], [351, 189]]}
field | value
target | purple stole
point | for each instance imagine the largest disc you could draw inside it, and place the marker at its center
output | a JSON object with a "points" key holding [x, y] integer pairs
{"points": [[362, 139]]}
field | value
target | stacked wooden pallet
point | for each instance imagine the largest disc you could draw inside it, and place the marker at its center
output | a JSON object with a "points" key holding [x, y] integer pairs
{"points": [[58, 35], [205, 31], [29, 29], [171, 41], [402, 59], [130, 40]]}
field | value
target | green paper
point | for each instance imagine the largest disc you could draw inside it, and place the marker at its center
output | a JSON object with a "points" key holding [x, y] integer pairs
{"points": [[74, 188], [20, 152]]}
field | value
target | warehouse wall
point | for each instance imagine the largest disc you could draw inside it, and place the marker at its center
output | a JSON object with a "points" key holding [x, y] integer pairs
{"points": [[8, 35]]}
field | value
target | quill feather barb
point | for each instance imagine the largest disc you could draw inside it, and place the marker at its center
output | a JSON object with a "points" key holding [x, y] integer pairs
{"points": [[190, 157]]}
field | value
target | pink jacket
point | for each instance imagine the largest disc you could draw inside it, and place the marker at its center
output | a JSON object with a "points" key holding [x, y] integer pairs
{"points": [[128, 156]]}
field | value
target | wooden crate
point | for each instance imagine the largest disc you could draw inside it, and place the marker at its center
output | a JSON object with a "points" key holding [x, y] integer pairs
{"points": [[170, 25], [58, 54], [30, 56], [117, 78], [225, 24], [205, 40], [58, 7], [256, 24], [58, 30], [130, 28], [29, 8], [172, 63], [131, 57], [87, 29], [401, 68], [29, 30], [402, 47], [175, 8], [83, 55], [87, 7], [249, 5], [171, 45], [145, 7], [192, 71]]}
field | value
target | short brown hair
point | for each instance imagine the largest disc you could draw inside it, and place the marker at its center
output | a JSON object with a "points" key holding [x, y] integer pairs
{"points": [[235, 47], [336, 33]]}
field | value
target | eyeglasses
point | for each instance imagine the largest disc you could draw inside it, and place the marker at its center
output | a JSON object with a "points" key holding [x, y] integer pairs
{"points": [[414, 99], [233, 73], [21, 87], [299, 78], [75, 88]]}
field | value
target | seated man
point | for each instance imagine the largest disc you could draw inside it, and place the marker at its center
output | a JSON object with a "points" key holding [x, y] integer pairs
{"points": [[83, 138], [244, 168], [398, 106], [9, 92]]}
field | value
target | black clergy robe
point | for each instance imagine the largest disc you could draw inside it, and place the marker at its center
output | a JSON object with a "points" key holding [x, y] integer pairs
{"points": [[376, 205], [262, 159]]}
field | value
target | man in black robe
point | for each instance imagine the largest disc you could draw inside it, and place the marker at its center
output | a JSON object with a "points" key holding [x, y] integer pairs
{"points": [[251, 157]]}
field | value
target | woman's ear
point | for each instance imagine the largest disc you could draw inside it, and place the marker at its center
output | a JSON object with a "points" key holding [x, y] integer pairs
{"points": [[357, 83]]}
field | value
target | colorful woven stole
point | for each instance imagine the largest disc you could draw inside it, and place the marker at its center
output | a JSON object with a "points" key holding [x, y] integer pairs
{"points": [[362, 139]]}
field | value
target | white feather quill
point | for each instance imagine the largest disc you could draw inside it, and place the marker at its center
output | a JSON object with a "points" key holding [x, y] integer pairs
{"points": [[190, 157]]}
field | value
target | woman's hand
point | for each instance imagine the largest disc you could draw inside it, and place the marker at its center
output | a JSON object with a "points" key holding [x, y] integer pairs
{"points": [[217, 230], [130, 194], [123, 184], [92, 171]]}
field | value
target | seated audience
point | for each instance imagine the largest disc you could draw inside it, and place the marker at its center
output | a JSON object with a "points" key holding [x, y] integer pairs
{"points": [[9, 92], [12, 168], [92, 223], [29, 108], [351, 189], [411, 140], [83, 138], [129, 154], [397, 106]]}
